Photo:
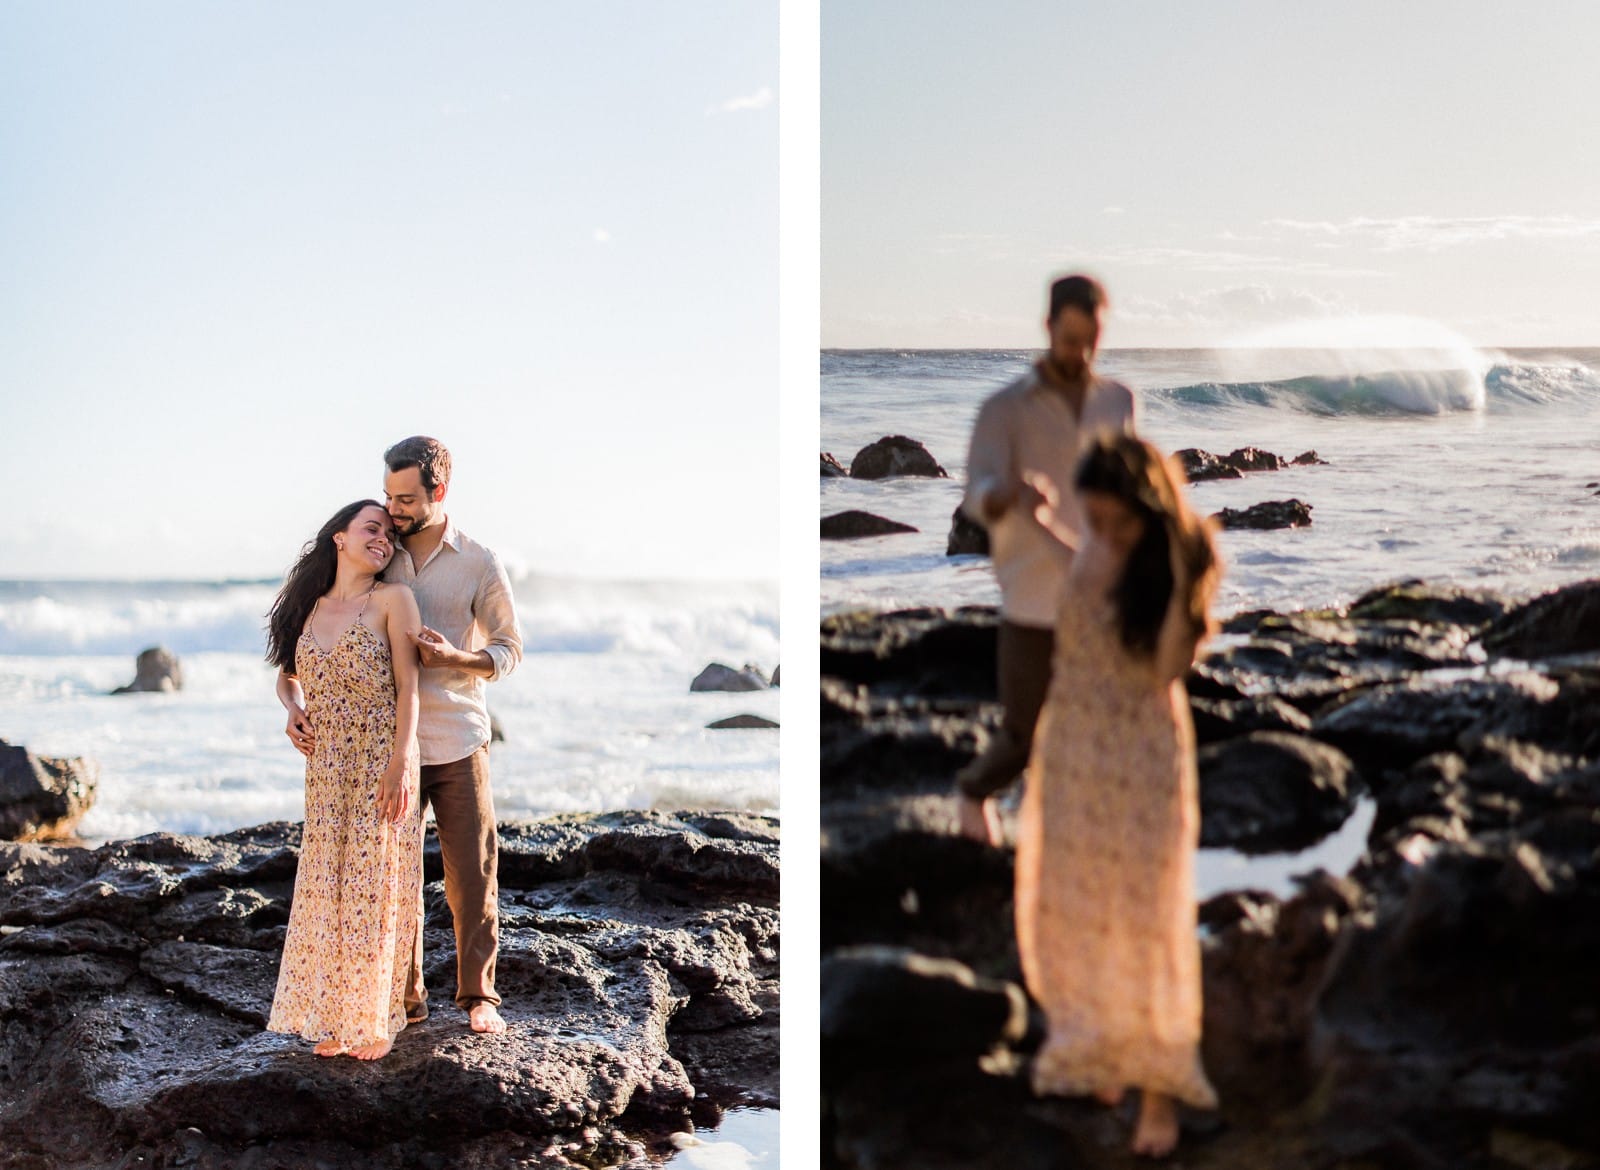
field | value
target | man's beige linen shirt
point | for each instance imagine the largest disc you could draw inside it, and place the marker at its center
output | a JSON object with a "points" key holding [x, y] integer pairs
{"points": [[1030, 428], [463, 592]]}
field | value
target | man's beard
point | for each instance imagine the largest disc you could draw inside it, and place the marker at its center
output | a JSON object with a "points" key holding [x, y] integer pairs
{"points": [[406, 526]]}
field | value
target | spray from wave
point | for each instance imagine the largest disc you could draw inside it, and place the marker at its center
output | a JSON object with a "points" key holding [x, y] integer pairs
{"points": [[558, 616], [1377, 366]]}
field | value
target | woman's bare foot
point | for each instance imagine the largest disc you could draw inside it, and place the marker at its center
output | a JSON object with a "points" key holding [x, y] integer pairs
{"points": [[328, 1048], [1111, 1097], [485, 1017], [375, 1051], [1156, 1135]]}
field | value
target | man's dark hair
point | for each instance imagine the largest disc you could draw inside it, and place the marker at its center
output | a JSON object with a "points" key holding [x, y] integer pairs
{"points": [[1077, 292], [428, 456]]}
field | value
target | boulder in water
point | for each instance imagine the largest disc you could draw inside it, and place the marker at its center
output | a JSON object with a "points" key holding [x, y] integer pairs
{"points": [[742, 722], [895, 455], [967, 536], [1270, 514], [43, 799], [719, 677], [832, 468], [855, 523], [157, 669]]}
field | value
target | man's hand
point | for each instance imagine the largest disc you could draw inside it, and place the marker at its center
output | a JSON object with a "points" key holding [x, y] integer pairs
{"points": [[1016, 494], [434, 649], [299, 731], [979, 819], [394, 794]]}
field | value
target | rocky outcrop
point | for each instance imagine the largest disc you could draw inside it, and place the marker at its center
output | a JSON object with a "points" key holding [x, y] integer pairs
{"points": [[855, 523], [895, 455], [832, 468], [967, 536], [1199, 466], [638, 964], [1432, 1007], [43, 799], [1269, 514], [719, 677], [156, 669]]}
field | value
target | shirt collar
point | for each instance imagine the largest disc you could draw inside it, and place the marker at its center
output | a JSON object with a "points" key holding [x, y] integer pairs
{"points": [[452, 534]]}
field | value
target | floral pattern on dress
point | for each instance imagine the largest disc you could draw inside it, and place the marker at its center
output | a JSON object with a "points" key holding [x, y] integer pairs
{"points": [[353, 920], [1105, 909]]}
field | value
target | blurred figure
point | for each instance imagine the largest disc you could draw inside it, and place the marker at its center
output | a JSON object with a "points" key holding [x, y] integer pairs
{"points": [[1028, 436], [1110, 819]]}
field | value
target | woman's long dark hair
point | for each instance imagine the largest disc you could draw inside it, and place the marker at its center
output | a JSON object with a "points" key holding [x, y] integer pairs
{"points": [[1134, 472], [311, 577]]}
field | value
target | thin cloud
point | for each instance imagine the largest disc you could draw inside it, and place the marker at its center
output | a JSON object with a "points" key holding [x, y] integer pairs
{"points": [[601, 236], [1401, 232], [1228, 307], [759, 100], [1221, 260]]}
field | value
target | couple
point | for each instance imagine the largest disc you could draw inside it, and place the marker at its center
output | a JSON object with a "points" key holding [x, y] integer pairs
{"points": [[383, 634], [1106, 579]]}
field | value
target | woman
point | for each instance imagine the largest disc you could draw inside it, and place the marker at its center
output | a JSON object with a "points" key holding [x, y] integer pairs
{"points": [[347, 674], [1109, 822]]}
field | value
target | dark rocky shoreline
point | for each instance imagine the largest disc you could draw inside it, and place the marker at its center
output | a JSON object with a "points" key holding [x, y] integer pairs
{"points": [[1436, 1006], [638, 963]]}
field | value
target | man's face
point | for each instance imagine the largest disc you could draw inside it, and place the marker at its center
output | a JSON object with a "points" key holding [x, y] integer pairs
{"points": [[1074, 336], [410, 506]]}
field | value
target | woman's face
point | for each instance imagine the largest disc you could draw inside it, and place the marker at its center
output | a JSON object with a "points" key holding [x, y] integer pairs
{"points": [[369, 540], [1112, 521]]}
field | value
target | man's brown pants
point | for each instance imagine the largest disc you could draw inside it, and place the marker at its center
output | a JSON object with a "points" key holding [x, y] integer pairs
{"points": [[1022, 661], [463, 812]]}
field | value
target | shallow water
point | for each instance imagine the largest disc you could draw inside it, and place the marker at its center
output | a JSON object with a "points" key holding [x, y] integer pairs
{"points": [[1220, 870], [745, 1139]]}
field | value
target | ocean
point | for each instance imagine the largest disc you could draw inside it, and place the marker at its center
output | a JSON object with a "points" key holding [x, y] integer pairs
{"points": [[1460, 465], [598, 716]]}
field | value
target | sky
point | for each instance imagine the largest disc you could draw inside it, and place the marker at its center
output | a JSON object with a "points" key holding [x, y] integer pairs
{"points": [[248, 246], [1225, 168]]}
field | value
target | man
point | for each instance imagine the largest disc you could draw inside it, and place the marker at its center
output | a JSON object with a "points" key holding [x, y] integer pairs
{"points": [[469, 635], [1025, 448]]}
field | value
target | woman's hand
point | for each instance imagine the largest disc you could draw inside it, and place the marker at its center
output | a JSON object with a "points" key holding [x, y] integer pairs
{"points": [[394, 792], [299, 730]]}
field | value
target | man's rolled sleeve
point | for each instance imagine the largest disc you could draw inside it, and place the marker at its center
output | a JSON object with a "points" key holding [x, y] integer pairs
{"points": [[988, 460], [497, 614]]}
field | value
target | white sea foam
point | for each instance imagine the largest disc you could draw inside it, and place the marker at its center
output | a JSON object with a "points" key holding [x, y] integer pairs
{"points": [[598, 715]]}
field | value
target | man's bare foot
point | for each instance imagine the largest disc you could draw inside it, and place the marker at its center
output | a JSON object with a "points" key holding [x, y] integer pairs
{"points": [[1156, 1135], [328, 1047], [1111, 1097], [485, 1017], [375, 1051]]}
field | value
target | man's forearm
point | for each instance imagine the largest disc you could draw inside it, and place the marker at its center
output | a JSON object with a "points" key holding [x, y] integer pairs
{"points": [[478, 662]]}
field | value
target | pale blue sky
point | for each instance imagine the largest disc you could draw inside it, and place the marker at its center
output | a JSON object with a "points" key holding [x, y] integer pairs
{"points": [[1223, 166], [247, 246]]}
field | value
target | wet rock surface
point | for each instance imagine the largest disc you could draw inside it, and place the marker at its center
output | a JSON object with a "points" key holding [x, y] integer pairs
{"points": [[638, 966], [1433, 1007]]}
